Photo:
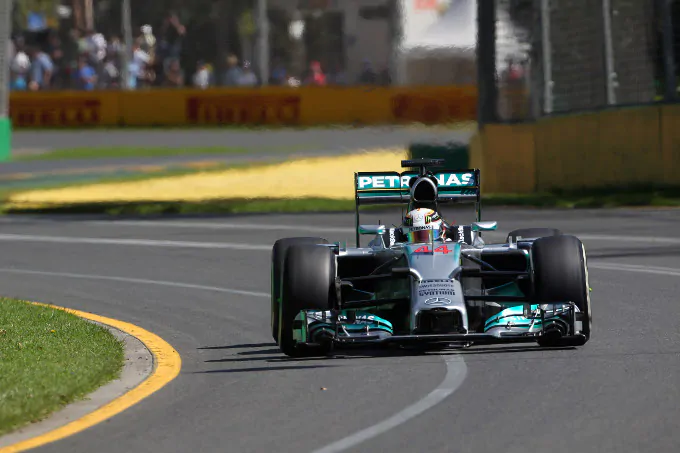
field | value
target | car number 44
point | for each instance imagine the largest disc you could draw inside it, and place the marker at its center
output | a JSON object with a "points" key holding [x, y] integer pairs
{"points": [[426, 249]]}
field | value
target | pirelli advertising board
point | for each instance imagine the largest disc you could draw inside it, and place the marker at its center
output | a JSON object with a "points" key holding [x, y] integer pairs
{"points": [[276, 106], [72, 109]]}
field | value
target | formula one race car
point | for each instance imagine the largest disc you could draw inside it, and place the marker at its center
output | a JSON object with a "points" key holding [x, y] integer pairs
{"points": [[428, 283]]}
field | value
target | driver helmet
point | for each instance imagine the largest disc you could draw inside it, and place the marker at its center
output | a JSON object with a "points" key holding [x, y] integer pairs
{"points": [[423, 225]]}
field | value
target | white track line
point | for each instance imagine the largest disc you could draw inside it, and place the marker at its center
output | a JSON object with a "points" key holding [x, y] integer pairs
{"points": [[455, 375], [134, 280], [636, 268], [220, 226], [134, 242], [331, 229], [643, 239]]}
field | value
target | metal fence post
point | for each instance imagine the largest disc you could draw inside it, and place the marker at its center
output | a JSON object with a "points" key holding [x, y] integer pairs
{"points": [[5, 62], [670, 92], [546, 46], [127, 44], [609, 53], [263, 41], [487, 103]]}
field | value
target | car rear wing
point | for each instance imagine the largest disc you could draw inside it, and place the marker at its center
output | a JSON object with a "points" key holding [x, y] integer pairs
{"points": [[391, 187]]}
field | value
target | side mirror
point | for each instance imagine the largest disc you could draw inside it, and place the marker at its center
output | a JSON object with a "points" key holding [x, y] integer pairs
{"points": [[372, 229], [484, 226]]}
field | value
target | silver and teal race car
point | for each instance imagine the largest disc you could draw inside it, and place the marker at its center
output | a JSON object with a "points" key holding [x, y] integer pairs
{"points": [[461, 292]]}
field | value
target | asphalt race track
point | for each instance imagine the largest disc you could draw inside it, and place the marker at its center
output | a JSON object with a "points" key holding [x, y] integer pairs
{"points": [[203, 285]]}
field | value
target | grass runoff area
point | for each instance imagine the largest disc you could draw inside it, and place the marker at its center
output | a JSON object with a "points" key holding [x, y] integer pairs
{"points": [[50, 358], [218, 198], [122, 152], [595, 198]]}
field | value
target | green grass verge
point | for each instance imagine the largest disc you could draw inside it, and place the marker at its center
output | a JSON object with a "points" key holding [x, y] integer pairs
{"points": [[49, 358], [233, 206], [470, 124], [600, 198], [607, 197], [111, 152]]}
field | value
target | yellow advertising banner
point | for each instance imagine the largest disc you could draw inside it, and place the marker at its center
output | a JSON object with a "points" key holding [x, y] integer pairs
{"points": [[64, 109], [276, 106]]}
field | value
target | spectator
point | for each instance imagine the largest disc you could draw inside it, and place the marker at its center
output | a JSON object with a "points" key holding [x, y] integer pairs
{"points": [[514, 72], [115, 47], [316, 76], [145, 75], [21, 64], [172, 33], [56, 53], [279, 73], [41, 69], [248, 77], [134, 71], [110, 73], [368, 75], [147, 41], [87, 76], [137, 66], [384, 78], [83, 43], [99, 47], [232, 75], [338, 76], [174, 76], [202, 75], [293, 82], [89, 46]]}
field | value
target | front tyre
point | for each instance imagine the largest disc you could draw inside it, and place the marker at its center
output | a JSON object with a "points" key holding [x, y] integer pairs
{"points": [[560, 274], [308, 284], [278, 256]]}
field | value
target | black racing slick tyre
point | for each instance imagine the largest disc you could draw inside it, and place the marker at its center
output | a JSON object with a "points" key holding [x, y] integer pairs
{"points": [[308, 283], [560, 274], [278, 256], [529, 233]]}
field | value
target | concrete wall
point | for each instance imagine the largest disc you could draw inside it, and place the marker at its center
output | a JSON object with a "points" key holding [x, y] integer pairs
{"points": [[610, 148]]}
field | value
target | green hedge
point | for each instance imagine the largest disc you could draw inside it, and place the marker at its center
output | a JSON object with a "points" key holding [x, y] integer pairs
{"points": [[455, 154]]}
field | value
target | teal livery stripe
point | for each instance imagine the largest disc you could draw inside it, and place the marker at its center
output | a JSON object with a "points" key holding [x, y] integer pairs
{"points": [[313, 331], [350, 327]]}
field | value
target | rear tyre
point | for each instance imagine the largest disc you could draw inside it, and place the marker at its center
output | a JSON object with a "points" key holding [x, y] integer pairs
{"points": [[528, 233], [560, 273], [307, 284], [278, 256]]}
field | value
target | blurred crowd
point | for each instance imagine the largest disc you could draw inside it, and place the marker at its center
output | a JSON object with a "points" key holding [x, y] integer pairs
{"points": [[88, 60]]}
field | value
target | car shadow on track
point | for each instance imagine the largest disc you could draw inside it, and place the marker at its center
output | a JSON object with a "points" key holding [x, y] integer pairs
{"points": [[513, 349], [253, 353], [240, 346], [273, 355]]}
